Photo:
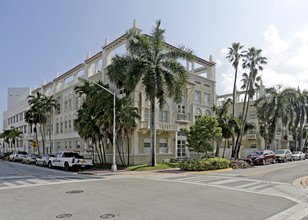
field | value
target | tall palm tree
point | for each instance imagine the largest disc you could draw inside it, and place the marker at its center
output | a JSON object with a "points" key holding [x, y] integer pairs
{"points": [[36, 103], [49, 104], [253, 62], [227, 123], [147, 61], [32, 118], [271, 108], [234, 55]]}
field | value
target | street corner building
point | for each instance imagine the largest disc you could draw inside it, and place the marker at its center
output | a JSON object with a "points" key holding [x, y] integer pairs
{"points": [[199, 97]]}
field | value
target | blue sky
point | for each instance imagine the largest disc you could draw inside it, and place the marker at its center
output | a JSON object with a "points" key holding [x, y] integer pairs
{"points": [[40, 38]]}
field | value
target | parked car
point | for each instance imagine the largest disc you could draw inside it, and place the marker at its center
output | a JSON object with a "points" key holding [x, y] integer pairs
{"points": [[69, 160], [261, 157], [283, 155], [1, 155], [30, 158], [17, 156], [43, 160], [298, 155]]}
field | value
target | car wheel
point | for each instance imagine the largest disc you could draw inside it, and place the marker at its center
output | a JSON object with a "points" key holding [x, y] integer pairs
{"points": [[264, 162], [44, 164], [36, 163], [273, 161], [50, 165], [66, 167], [284, 160]]}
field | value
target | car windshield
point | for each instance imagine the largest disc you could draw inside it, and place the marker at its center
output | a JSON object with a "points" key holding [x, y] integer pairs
{"points": [[297, 152], [22, 152], [257, 153], [279, 152]]}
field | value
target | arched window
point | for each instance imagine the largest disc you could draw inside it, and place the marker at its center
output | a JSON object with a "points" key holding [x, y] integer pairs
{"points": [[198, 113]]}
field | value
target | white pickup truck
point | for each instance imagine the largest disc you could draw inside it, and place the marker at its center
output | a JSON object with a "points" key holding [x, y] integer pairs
{"points": [[69, 160]]}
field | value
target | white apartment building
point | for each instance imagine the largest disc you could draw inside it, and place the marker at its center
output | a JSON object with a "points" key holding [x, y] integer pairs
{"points": [[200, 94], [252, 140]]}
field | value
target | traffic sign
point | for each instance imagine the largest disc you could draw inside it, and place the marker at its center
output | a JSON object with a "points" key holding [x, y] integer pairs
{"points": [[34, 144]]}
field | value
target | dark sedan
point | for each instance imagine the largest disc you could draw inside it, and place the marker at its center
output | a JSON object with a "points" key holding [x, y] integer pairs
{"points": [[261, 157]]}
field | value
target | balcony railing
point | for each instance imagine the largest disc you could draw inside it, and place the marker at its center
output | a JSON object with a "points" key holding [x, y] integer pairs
{"points": [[182, 117], [251, 136], [159, 126]]}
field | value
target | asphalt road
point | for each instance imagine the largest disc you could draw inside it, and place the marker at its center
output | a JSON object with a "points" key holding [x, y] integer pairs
{"points": [[263, 192]]}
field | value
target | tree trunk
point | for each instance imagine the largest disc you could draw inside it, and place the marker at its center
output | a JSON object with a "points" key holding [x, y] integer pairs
{"points": [[234, 103], [153, 132], [128, 150]]}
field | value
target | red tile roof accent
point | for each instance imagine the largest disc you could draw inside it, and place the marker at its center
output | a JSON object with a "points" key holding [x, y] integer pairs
{"points": [[66, 73], [99, 53], [114, 41]]}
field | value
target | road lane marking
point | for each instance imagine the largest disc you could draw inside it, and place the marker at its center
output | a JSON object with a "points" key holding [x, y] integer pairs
{"points": [[268, 171]]}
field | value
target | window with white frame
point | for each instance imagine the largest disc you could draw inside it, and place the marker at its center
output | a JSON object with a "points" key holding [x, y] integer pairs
{"points": [[197, 97], [163, 116], [77, 144], [147, 114], [252, 114], [147, 145], [206, 99], [181, 105], [163, 144]]}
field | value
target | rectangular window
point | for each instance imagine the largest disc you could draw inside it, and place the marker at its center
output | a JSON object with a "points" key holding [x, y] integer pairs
{"points": [[78, 102], [163, 116], [69, 124], [77, 144], [65, 125], [252, 114], [65, 145], [70, 144], [147, 145], [206, 99], [163, 145], [25, 129], [57, 125], [69, 104], [253, 146], [61, 127], [147, 114], [59, 146], [58, 106], [197, 97]]}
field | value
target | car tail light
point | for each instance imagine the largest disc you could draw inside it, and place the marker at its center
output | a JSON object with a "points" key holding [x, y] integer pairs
{"points": [[16, 155], [73, 160]]}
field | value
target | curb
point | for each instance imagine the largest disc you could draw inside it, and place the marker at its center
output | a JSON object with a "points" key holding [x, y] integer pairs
{"points": [[304, 182], [152, 172]]}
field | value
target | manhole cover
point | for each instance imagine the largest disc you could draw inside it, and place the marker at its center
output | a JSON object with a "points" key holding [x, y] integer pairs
{"points": [[107, 216], [64, 216], [74, 191]]}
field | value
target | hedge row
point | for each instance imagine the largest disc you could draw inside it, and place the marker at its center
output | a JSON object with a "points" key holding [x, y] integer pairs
{"points": [[205, 164]]}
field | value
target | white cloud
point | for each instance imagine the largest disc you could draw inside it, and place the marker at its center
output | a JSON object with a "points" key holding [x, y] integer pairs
{"points": [[218, 62], [287, 62]]}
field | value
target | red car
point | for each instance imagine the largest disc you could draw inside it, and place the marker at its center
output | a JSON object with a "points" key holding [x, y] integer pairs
{"points": [[261, 157]]}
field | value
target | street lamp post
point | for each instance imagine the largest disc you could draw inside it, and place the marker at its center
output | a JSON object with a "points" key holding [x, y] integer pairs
{"points": [[114, 165]]}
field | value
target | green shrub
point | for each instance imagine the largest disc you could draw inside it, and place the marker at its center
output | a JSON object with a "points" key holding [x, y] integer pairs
{"points": [[204, 164]]}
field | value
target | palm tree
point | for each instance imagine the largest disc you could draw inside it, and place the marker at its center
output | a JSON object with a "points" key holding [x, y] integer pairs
{"points": [[126, 120], [147, 61], [36, 103], [253, 61], [32, 118], [234, 55], [271, 107], [48, 104], [227, 123]]}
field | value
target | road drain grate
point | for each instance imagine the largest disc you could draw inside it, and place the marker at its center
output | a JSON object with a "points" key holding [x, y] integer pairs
{"points": [[74, 191], [107, 216], [64, 216]]}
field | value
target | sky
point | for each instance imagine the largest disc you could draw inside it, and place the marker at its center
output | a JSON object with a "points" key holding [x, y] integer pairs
{"points": [[40, 38]]}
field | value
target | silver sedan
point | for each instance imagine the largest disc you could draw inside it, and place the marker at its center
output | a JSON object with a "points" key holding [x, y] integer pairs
{"points": [[43, 160], [298, 155]]}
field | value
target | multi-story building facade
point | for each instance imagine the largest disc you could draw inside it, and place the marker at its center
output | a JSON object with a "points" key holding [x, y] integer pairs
{"points": [[252, 140], [199, 96], [17, 105]]}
